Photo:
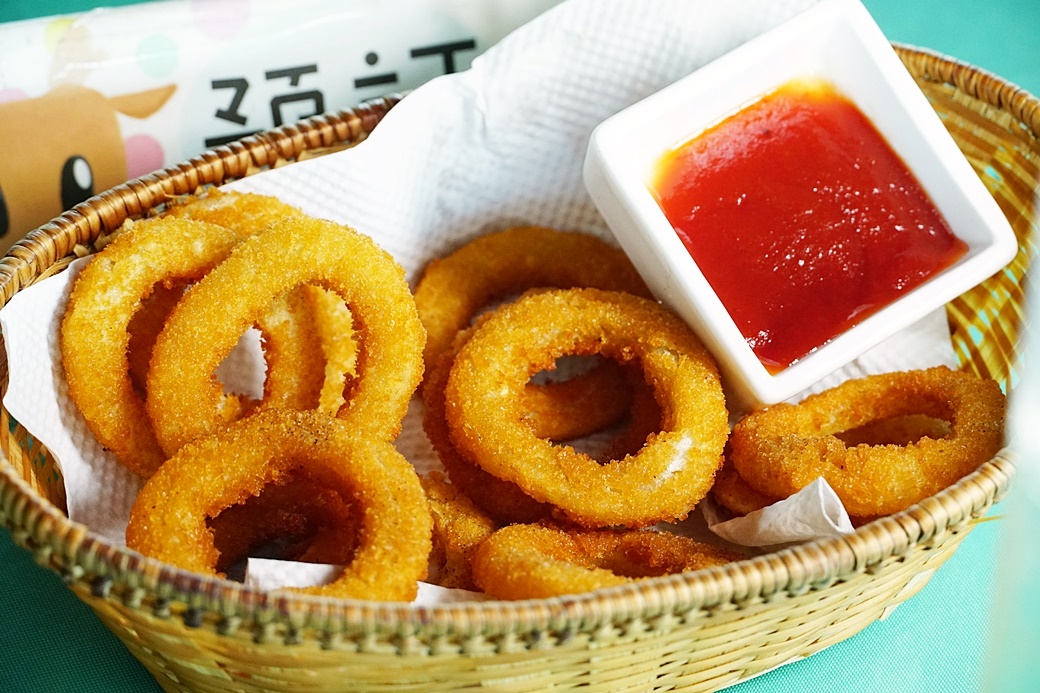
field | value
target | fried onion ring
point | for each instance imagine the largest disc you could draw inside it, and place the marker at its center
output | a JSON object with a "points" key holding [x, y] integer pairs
{"points": [[294, 325], [247, 213], [736, 495], [496, 266], [504, 501], [169, 522], [537, 562], [458, 529], [305, 520], [335, 328], [183, 400], [783, 448], [501, 500], [94, 332], [662, 481], [492, 267]]}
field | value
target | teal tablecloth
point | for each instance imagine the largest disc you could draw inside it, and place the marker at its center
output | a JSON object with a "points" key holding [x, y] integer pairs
{"points": [[934, 643]]}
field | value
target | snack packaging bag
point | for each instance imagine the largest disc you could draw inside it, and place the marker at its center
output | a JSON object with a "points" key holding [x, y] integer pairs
{"points": [[88, 101]]}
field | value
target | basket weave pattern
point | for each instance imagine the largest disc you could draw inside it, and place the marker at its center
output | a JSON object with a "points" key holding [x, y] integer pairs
{"points": [[699, 631]]}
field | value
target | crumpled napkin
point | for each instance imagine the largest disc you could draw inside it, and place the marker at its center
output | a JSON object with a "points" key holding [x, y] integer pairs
{"points": [[498, 145]]}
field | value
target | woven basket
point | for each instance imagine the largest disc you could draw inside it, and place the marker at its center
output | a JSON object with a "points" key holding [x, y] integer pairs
{"points": [[699, 631]]}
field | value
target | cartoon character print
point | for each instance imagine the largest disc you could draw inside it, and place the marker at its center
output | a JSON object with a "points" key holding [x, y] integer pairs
{"points": [[61, 148]]}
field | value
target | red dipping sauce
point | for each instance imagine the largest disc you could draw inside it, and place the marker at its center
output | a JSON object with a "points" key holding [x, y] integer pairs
{"points": [[802, 218]]}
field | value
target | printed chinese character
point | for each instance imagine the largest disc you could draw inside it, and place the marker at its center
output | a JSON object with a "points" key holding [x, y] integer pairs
{"points": [[232, 114], [314, 96], [446, 51], [375, 80]]}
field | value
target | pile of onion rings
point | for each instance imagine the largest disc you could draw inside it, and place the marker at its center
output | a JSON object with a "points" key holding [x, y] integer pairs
{"points": [[95, 335], [310, 466], [527, 510], [301, 320], [122, 299], [184, 402]]}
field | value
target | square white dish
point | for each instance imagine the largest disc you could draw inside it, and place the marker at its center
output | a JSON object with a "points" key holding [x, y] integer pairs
{"points": [[839, 42]]}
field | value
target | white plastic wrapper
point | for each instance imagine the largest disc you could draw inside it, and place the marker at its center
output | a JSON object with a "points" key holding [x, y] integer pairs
{"points": [[115, 93], [497, 145]]}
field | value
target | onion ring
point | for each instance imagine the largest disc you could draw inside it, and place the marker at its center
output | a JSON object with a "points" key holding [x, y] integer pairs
{"points": [[290, 341], [783, 448], [736, 495], [492, 267], [537, 562], [335, 329], [458, 528], [504, 502], [94, 331], [296, 326], [184, 402], [239, 460], [247, 213], [732, 492], [308, 522], [664, 480]]}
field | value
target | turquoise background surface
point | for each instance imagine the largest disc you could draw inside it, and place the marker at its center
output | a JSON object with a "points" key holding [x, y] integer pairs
{"points": [[934, 643]]}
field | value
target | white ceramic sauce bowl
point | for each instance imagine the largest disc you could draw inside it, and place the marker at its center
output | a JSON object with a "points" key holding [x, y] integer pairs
{"points": [[837, 41]]}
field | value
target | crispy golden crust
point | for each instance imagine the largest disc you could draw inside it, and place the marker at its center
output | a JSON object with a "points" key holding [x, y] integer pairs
{"points": [[736, 495], [537, 562], [146, 325], [503, 501], [246, 213], [495, 266], [184, 401], [783, 448], [237, 461], [292, 323], [335, 329], [458, 529], [94, 335], [308, 521], [664, 480]]}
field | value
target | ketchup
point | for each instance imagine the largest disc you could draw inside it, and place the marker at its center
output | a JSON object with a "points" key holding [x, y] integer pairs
{"points": [[802, 218]]}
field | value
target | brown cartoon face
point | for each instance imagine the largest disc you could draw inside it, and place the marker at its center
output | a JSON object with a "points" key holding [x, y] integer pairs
{"points": [[59, 149]]}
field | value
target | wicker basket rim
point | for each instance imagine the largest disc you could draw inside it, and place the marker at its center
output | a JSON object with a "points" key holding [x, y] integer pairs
{"points": [[791, 570]]}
